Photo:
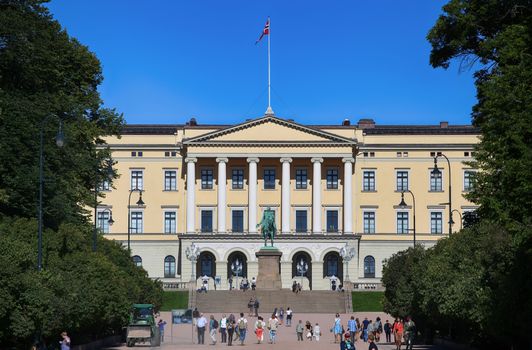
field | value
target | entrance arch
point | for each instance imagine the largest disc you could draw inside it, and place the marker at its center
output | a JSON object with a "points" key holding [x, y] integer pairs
{"points": [[232, 262], [206, 265], [304, 257], [333, 266]]}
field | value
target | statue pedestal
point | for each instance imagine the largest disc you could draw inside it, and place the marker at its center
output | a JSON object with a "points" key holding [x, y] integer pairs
{"points": [[269, 277]]}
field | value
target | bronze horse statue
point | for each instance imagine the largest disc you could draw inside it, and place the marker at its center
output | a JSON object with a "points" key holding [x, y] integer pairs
{"points": [[267, 226]]}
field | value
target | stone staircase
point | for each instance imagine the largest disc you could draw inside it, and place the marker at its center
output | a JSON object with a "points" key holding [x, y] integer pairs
{"points": [[304, 302]]}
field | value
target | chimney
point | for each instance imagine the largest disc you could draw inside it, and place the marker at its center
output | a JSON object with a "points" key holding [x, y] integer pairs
{"points": [[193, 122], [444, 125], [366, 123], [346, 122]]}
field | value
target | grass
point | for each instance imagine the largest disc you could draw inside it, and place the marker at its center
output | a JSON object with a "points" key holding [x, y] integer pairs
{"points": [[174, 300], [367, 301]]}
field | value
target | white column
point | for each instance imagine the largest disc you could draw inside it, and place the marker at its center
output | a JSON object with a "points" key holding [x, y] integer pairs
{"points": [[348, 195], [285, 195], [252, 195], [191, 195], [316, 195], [222, 179]]}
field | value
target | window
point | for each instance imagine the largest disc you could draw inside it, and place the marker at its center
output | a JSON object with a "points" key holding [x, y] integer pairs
{"points": [[238, 179], [136, 154], [206, 221], [170, 154], [139, 154], [103, 221], [399, 154], [238, 220], [301, 179], [405, 154], [269, 179], [436, 222], [332, 179], [137, 260], [136, 224], [369, 222], [369, 181], [402, 222], [466, 154], [206, 264], [105, 185], [468, 180], [301, 221], [170, 180], [366, 154], [369, 267], [402, 180], [436, 181], [169, 267], [170, 222], [206, 179], [332, 220], [137, 182], [133, 154], [372, 154], [332, 265]]}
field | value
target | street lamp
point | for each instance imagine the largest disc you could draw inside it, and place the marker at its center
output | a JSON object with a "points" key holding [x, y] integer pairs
{"points": [[461, 218], [302, 268], [139, 203], [437, 172], [109, 175], [59, 141], [347, 253], [110, 221], [192, 253], [403, 205], [236, 268]]}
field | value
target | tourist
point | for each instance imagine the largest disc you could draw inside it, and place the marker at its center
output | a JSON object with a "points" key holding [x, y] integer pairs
{"points": [[294, 287], [288, 317], [372, 344], [273, 323], [230, 329], [223, 328], [370, 329], [388, 331], [253, 283], [200, 325], [242, 328], [299, 331], [65, 343], [251, 304], [346, 343], [256, 306], [213, 329], [161, 325], [378, 329], [230, 282], [359, 328], [259, 329], [281, 315], [410, 333], [317, 332], [337, 329], [352, 328], [308, 330], [365, 324], [398, 333], [299, 287]]}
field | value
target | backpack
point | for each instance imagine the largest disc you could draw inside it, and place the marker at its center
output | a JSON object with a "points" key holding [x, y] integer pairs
{"points": [[215, 324], [259, 325], [241, 324]]}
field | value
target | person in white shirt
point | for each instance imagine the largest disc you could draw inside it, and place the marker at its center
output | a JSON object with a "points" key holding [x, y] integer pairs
{"points": [[223, 328], [317, 332], [288, 317], [200, 325], [273, 323]]}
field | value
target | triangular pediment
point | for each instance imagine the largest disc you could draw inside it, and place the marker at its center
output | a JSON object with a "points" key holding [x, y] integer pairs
{"points": [[269, 129]]}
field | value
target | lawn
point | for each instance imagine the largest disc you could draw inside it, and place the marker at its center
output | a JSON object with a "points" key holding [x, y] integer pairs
{"points": [[174, 300], [367, 301]]}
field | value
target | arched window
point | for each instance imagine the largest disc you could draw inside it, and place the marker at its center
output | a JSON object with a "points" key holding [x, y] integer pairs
{"points": [[304, 260], [169, 266], [332, 265], [137, 260], [206, 265], [237, 265], [369, 267]]}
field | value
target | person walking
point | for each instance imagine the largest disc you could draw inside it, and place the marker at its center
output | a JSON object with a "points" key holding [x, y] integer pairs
{"points": [[251, 305], [410, 333], [398, 329], [359, 328], [377, 329], [242, 328], [299, 331], [256, 306], [273, 323], [352, 328], [388, 331], [200, 325], [253, 283], [259, 329], [161, 325], [372, 343], [371, 328], [65, 343], [223, 329], [317, 332], [347, 342], [281, 315], [230, 280], [288, 317], [230, 329], [337, 329], [213, 329], [308, 331], [365, 324]]}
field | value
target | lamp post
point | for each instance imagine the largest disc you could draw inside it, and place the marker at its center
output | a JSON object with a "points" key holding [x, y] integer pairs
{"points": [[461, 218], [436, 172], [59, 141], [96, 191], [347, 253], [403, 205], [139, 202], [302, 268], [236, 268], [192, 253]]}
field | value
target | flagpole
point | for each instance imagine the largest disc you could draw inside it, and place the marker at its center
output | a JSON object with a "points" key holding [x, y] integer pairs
{"points": [[269, 84]]}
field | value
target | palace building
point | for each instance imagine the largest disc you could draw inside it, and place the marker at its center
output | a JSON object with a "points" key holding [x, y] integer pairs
{"points": [[330, 186]]}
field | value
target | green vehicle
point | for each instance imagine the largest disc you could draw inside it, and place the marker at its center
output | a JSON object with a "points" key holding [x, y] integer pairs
{"points": [[142, 327]]}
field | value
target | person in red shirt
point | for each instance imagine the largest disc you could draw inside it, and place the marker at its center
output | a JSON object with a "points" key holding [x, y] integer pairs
{"points": [[398, 330]]}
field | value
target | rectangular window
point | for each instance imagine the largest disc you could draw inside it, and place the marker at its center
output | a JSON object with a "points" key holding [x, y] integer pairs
{"points": [[332, 220], [137, 182], [206, 179], [369, 181], [105, 185], [238, 221], [103, 221], [332, 179], [468, 180], [436, 182], [436, 222], [301, 221], [139, 154], [402, 181], [402, 222], [136, 222], [301, 179], [238, 179], [269, 179], [170, 180], [206, 221], [369, 222], [170, 222]]}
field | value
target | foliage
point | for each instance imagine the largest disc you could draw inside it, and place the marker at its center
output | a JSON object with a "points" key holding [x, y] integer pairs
{"points": [[367, 301], [174, 300]]}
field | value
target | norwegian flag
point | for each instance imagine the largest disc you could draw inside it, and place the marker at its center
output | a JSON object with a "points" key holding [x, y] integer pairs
{"points": [[265, 31]]}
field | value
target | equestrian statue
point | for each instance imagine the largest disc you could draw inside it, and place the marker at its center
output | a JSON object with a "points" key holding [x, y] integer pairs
{"points": [[267, 226]]}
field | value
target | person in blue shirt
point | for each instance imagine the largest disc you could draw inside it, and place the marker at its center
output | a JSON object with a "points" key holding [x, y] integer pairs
{"points": [[365, 324], [161, 325], [352, 328]]}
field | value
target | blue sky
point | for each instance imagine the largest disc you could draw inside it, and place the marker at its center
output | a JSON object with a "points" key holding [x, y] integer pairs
{"points": [[167, 61]]}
